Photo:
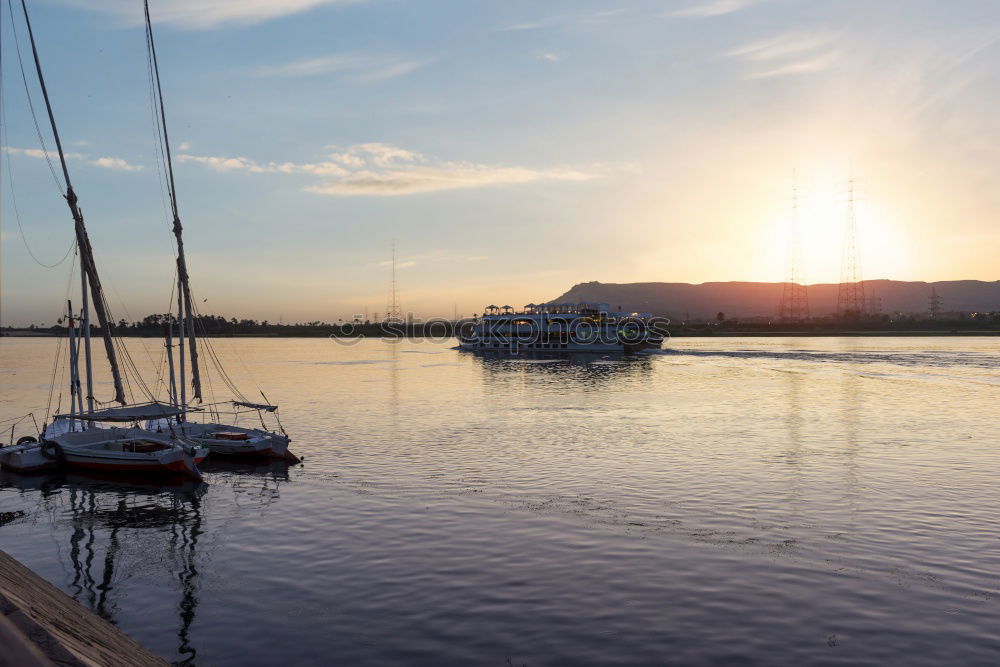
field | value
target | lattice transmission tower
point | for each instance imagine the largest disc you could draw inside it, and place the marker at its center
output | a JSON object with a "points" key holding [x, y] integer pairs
{"points": [[934, 301], [851, 293], [794, 305], [393, 311]]}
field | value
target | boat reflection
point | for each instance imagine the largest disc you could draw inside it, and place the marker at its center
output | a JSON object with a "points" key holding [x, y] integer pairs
{"points": [[582, 370], [120, 529]]}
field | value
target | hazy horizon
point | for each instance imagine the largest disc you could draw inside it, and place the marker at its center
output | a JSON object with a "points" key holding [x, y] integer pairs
{"points": [[511, 150]]}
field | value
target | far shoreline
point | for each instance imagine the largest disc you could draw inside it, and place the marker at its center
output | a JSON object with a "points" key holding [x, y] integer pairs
{"points": [[848, 333]]}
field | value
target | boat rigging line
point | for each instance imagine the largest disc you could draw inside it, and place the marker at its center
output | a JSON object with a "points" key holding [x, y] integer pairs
{"points": [[83, 241]]}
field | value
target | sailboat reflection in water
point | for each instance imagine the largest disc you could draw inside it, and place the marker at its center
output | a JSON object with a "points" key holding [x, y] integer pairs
{"points": [[107, 527]]}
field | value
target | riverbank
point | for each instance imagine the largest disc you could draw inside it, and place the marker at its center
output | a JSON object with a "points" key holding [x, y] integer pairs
{"points": [[442, 332], [41, 625]]}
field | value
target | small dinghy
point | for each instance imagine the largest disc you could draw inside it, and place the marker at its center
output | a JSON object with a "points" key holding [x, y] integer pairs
{"points": [[230, 440], [128, 451]]}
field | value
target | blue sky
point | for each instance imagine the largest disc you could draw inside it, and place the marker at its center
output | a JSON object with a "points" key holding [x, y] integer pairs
{"points": [[511, 148]]}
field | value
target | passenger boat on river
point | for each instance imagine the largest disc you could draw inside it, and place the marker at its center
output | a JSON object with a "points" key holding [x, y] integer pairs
{"points": [[562, 327]]}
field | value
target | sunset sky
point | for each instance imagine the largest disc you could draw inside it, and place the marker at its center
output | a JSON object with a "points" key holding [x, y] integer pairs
{"points": [[511, 149]]}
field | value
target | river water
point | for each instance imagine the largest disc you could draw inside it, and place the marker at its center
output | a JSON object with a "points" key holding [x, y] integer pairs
{"points": [[728, 501]]}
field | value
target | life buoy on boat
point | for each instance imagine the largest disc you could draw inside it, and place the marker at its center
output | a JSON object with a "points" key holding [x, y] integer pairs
{"points": [[26, 440], [53, 451]]}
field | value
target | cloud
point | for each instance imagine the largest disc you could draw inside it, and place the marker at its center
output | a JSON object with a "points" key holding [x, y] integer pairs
{"points": [[240, 163], [184, 146], [449, 176], [602, 17], [204, 14], [817, 64], [378, 169], [788, 54], [551, 57], [40, 154], [363, 68], [780, 46], [521, 26], [715, 8], [116, 163]]}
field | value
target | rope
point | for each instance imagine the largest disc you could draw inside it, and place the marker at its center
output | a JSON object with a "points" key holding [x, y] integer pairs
{"points": [[17, 212], [31, 105], [10, 166], [55, 363]]}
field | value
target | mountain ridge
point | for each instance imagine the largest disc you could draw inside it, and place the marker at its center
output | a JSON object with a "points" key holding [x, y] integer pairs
{"points": [[761, 299]]}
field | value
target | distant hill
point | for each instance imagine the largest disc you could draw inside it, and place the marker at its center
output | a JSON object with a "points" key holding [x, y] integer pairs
{"points": [[746, 299]]}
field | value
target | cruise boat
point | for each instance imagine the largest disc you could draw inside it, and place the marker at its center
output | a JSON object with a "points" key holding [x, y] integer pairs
{"points": [[562, 327]]}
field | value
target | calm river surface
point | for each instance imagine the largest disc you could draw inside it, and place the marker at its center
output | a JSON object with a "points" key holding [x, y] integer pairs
{"points": [[737, 501]]}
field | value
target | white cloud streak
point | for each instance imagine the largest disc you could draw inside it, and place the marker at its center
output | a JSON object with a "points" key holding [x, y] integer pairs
{"points": [[116, 163], [715, 8], [808, 66], [359, 67], [205, 14], [781, 46], [378, 169], [788, 54]]}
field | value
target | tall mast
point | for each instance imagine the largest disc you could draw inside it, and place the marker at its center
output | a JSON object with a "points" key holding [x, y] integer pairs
{"points": [[85, 323], [182, 273], [82, 240]]}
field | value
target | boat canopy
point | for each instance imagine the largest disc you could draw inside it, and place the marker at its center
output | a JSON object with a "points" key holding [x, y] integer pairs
{"points": [[256, 406], [129, 413]]}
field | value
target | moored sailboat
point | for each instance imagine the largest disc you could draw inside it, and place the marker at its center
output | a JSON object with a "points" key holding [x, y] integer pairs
{"points": [[221, 439], [76, 439]]}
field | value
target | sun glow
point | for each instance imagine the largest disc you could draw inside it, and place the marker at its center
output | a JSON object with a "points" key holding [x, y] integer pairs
{"points": [[820, 224]]}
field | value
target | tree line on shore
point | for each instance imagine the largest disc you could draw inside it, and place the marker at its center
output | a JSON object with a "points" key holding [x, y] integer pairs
{"points": [[215, 325]]}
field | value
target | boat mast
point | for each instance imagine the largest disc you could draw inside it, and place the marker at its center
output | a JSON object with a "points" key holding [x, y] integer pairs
{"points": [[168, 335], [185, 313], [75, 398], [87, 264], [180, 349], [85, 323]]}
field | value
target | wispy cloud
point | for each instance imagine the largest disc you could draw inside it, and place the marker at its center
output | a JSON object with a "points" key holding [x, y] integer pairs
{"points": [[551, 57], [817, 64], [788, 54], [602, 17], [399, 265], [378, 169], [437, 257], [781, 45], [203, 14], [358, 66], [570, 20], [39, 153], [715, 8], [116, 163], [521, 26]]}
